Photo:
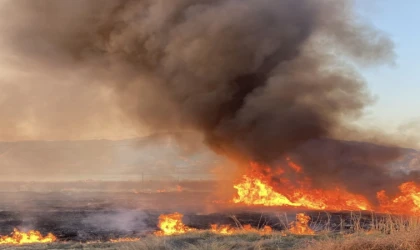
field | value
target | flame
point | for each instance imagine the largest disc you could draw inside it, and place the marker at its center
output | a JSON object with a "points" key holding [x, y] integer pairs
{"points": [[171, 224], [300, 226], [124, 240], [19, 238], [228, 230], [294, 166], [407, 202], [222, 229], [267, 230], [255, 189]]}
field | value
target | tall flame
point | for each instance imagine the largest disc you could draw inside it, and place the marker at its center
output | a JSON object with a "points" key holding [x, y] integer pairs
{"points": [[407, 202], [171, 224], [255, 188], [300, 226], [19, 238]]}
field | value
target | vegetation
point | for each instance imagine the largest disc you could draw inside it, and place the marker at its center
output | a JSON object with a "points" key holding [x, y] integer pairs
{"points": [[385, 233]]}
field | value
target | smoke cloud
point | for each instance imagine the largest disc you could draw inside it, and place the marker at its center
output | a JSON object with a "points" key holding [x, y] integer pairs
{"points": [[257, 78], [124, 220]]}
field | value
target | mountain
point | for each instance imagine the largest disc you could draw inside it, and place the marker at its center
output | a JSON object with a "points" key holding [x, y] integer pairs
{"points": [[155, 157]]}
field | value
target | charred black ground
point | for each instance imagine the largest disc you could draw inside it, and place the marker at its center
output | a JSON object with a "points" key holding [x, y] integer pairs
{"points": [[100, 217]]}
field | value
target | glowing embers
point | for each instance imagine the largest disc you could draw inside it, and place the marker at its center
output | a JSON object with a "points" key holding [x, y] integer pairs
{"points": [[300, 226], [407, 202], [228, 230], [19, 238], [255, 188], [124, 240], [171, 224]]}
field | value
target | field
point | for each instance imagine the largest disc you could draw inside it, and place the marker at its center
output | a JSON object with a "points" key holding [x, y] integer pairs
{"points": [[374, 240], [93, 219]]}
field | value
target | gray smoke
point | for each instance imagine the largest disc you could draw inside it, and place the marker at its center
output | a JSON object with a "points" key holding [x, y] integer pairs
{"points": [[257, 78], [123, 221]]}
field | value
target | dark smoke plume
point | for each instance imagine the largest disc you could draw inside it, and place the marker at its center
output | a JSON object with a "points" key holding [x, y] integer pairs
{"points": [[257, 78]]}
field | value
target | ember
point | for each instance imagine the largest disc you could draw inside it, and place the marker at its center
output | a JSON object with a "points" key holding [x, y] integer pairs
{"points": [[222, 229], [19, 238], [124, 240], [227, 229]]}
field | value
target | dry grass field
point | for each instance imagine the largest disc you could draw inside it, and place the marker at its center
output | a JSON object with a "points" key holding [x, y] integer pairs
{"points": [[386, 233]]}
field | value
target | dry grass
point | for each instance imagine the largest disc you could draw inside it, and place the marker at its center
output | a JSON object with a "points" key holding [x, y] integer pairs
{"points": [[209, 241], [371, 241], [383, 233]]}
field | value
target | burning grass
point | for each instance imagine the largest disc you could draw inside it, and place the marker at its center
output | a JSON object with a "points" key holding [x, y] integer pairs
{"points": [[383, 233], [256, 188], [20, 238]]}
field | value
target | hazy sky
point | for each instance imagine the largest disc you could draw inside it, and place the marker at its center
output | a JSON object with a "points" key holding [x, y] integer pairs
{"points": [[397, 88], [56, 104]]}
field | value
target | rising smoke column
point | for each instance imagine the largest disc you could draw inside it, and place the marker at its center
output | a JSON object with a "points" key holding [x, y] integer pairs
{"points": [[257, 78]]}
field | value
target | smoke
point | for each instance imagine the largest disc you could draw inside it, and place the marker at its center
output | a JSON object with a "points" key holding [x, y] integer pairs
{"points": [[122, 221], [257, 78]]}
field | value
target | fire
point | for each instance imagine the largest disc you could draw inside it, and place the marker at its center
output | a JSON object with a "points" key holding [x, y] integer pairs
{"points": [[300, 226], [255, 189], [19, 238], [408, 202], [171, 224], [222, 229], [124, 240], [228, 230]]}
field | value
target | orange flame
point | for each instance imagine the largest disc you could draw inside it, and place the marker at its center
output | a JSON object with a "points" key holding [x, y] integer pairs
{"points": [[19, 238], [171, 224], [300, 226], [408, 202], [222, 229], [255, 189], [228, 230]]}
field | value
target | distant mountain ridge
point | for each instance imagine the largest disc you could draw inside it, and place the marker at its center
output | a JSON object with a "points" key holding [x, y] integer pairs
{"points": [[157, 156], [146, 157]]}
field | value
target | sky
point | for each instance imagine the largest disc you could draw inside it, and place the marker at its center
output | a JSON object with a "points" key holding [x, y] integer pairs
{"points": [[54, 111], [397, 87], [62, 105]]}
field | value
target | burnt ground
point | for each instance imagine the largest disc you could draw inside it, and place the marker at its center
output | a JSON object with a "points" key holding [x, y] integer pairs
{"points": [[96, 216], [72, 226]]}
